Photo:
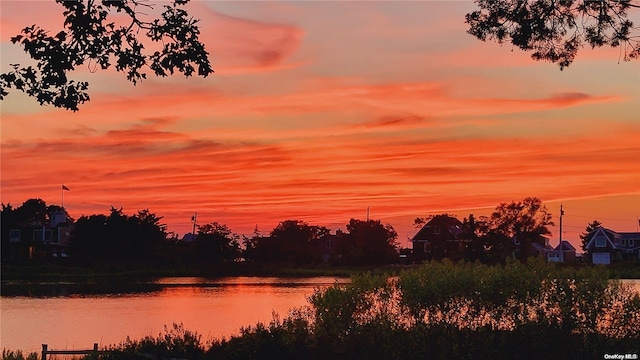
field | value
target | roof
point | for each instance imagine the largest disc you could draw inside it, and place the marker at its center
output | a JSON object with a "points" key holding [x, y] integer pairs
{"points": [[444, 222], [565, 245], [630, 235], [188, 237], [541, 248], [611, 236]]}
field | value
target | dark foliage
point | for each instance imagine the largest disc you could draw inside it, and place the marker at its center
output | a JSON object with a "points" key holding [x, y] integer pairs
{"points": [[513, 227], [439, 311], [291, 241], [368, 243], [117, 237], [215, 243], [90, 37], [555, 30]]}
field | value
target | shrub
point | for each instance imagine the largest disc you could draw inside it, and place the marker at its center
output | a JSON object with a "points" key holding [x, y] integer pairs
{"points": [[17, 355]]}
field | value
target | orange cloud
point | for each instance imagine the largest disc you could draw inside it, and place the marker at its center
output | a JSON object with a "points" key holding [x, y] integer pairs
{"points": [[417, 128], [242, 45], [383, 107], [248, 183]]}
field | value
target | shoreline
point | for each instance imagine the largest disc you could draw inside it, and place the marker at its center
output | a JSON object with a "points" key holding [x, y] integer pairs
{"points": [[103, 276]]}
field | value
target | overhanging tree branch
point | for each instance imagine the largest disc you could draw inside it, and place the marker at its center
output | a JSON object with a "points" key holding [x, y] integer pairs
{"points": [[89, 36], [554, 30]]}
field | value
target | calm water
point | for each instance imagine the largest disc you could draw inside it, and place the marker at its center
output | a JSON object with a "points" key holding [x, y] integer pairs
{"points": [[213, 308]]}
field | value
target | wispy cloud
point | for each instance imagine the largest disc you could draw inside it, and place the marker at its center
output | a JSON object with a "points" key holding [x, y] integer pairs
{"points": [[244, 45], [317, 112]]}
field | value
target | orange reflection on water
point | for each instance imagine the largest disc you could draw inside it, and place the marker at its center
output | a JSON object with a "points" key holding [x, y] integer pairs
{"points": [[213, 308]]}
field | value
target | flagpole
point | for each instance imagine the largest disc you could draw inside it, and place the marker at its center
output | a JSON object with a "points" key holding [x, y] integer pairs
{"points": [[62, 189]]}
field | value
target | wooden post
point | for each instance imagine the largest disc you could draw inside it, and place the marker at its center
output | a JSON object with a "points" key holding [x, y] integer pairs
{"points": [[44, 351], [95, 350]]}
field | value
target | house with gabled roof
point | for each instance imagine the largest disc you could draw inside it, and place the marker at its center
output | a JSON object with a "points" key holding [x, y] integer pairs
{"points": [[441, 237], [606, 246], [563, 253]]}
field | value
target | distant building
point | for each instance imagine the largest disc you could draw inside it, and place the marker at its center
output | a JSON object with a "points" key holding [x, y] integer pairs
{"points": [[563, 253], [325, 248], [606, 246], [441, 237], [188, 237], [41, 238]]}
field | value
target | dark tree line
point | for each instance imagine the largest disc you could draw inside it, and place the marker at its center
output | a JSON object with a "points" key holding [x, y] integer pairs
{"points": [[296, 242], [117, 237], [510, 231], [121, 238]]}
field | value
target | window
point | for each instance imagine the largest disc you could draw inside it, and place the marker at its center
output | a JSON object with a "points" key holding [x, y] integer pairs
{"points": [[601, 241], [39, 235], [14, 235], [630, 243], [436, 230], [623, 242], [329, 244]]}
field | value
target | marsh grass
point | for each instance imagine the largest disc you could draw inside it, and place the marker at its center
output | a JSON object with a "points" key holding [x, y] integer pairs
{"points": [[18, 355]]}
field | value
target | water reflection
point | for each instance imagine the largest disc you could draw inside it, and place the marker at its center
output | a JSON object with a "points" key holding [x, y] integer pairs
{"points": [[104, 288], [212, 307]]}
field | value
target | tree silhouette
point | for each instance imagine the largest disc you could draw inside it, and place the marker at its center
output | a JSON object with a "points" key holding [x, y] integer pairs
{"points": [[524, 223], [369, 243], [117, 237], [554, 30], [289, 242], [90, 36], [216, 243]]}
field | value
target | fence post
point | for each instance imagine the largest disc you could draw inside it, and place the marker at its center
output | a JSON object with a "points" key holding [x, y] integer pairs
{"points": [[95, 350], [44, 351]]}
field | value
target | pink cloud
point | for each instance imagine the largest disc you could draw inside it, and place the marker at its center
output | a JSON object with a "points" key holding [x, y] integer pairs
{"points": [[243, 45]]}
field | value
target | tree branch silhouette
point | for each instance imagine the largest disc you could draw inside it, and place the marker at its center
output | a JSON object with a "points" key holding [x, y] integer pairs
{"points": [[554, 30], [88, 36]]}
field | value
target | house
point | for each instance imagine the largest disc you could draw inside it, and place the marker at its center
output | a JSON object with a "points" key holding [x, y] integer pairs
{"points": [[539, 250], [325, 248], [443, 236], [41, 238], [563, 253], [606, 246], [188, 238]]}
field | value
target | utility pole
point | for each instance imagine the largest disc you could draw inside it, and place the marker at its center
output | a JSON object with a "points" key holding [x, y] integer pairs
{"points": [[194, 218], [561, 214]]}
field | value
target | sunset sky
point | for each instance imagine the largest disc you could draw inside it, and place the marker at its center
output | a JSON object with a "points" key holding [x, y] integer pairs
{"points": [[318, 110]]}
